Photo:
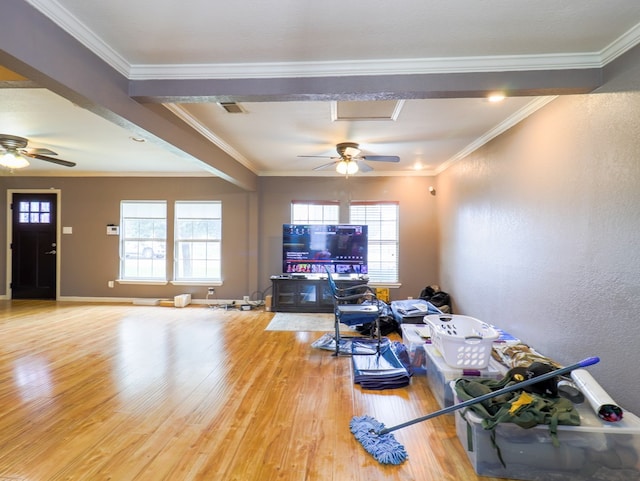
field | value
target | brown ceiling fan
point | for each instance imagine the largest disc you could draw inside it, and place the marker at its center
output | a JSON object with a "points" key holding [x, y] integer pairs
{"points": [[350, 161], [15, 155]]}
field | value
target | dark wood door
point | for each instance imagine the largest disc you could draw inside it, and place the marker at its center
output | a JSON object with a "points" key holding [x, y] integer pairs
{"points": [[33, 246]]}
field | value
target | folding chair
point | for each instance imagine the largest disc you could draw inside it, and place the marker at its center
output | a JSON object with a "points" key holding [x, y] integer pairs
{"points": [[348, 311]]}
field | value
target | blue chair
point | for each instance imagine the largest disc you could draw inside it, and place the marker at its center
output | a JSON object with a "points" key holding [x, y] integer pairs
{"points": [[349, 309]]}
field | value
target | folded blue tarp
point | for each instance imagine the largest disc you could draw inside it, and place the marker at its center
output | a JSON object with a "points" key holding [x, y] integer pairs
{"points": [[384, 371]]}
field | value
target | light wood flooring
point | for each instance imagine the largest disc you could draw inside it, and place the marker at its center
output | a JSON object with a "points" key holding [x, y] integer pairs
{"points": [[123, 392]]}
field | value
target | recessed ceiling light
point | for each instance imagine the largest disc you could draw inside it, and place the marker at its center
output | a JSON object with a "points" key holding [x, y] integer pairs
{"points": [[137, 139], [496, 97]]}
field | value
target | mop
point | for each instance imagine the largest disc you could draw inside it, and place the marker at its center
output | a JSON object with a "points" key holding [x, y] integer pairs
{"points": [[378, 441]]}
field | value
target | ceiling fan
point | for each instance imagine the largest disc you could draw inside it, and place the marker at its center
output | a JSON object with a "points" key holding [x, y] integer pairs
{"points": [[14, 154], [349, 160]]}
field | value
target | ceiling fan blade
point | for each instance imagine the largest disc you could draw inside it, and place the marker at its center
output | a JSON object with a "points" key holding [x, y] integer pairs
{"points": [[65, 163], [381, 158], [40, 152], [364, 167], [324, 166]]}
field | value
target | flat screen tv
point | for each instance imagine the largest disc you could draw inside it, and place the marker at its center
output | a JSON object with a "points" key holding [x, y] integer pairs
{"points": [[308, 248]]}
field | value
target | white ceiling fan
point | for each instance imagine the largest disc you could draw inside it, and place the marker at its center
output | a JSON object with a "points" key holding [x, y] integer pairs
{"points": [[14, 154], [349, 160]]}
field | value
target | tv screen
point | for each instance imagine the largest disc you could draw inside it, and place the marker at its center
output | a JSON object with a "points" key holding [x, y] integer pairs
{"points": [[308, 248]]}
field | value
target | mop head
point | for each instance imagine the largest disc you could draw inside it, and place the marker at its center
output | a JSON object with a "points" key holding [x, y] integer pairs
{"points": [[383, 447]]}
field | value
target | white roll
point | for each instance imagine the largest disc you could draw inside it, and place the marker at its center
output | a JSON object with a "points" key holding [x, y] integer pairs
{"points": [[600, 401]]}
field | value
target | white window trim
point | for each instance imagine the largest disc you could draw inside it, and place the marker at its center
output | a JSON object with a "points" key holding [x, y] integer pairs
{"points": [[198, 282], [146, 282], [382, 283], [214, 282], [323, 204], [142, 281]]}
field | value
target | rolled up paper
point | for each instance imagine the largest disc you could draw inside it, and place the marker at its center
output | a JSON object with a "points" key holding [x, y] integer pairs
{"points": [[599, 400]]}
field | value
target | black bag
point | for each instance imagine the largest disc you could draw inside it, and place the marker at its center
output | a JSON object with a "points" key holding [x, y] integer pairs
{"points": [[427, 293], [440, 299], [435, 296], [387, 325]]}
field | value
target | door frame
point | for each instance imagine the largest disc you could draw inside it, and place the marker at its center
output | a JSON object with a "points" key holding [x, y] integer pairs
{"points": [[9, 258]]}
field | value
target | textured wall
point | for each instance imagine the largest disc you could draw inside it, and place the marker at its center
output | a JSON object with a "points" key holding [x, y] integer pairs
{"points": [[418, 254], [540, 235], [89, 258]]}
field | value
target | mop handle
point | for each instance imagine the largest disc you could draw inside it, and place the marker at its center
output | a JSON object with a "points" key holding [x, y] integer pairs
{"points": [[527, 382]]}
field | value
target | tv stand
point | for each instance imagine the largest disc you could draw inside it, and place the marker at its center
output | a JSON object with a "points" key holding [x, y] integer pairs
{"points": [[311, 293]]}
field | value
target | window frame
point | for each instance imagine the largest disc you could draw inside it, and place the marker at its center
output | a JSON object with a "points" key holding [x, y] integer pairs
{"points": [[215, 261], [157, 263], [297, 206], [378, 273]]}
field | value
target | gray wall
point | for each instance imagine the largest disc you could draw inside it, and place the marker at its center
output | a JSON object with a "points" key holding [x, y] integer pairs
{"points": [[89, 258], [539, 235], [252, 228], [418, 258]]}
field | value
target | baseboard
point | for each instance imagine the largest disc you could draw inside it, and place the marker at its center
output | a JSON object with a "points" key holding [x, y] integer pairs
{"points": [[153, 301]]}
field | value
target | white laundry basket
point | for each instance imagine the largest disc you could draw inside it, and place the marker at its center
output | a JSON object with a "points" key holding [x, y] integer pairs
{"points": [[463, 341]]}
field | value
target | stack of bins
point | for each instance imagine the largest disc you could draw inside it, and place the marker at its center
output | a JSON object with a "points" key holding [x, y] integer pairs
{"points": [[595, 450], [440, 374], [415, 336]]}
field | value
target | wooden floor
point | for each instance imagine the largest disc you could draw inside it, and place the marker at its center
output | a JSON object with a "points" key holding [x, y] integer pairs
{"points": [[123, 392]]}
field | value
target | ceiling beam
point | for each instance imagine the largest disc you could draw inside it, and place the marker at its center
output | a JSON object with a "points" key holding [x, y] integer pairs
{"points": [[34, 47], [374, 87]]}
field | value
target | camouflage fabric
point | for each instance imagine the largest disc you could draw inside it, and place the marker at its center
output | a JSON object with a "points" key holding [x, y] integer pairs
{"points": [[526, 408]]}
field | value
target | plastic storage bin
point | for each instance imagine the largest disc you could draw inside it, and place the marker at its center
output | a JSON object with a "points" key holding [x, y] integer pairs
{"points": [[413, 338], [440, 375], [463, 341], [595, 450]]}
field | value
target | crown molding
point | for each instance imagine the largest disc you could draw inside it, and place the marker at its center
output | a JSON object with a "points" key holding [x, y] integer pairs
{"points": [[78, 30], [193, 122], [415, 66], [333, 173], [622, 44], [505, 125], [68, 22]]}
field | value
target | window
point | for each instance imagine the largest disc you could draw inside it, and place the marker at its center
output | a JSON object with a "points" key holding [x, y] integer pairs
{"points": [[143, 240], [198, 234], [34, 212], [382, 219], [315, 212]]}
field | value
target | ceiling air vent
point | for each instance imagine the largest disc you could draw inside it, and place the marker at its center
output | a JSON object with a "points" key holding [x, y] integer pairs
{"points": [[231, 107], [366, 110]]}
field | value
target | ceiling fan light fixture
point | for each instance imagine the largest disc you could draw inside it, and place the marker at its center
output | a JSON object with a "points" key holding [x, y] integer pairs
{"points": [[13, 160], [341, 167], [347, 167]]}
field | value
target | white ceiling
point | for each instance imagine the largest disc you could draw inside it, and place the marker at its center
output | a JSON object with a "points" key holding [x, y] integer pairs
{"points": [[253, 40]]}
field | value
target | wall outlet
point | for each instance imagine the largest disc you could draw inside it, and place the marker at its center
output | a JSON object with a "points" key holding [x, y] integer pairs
{"points": [[110, 284], [211, 291], [245, 299]]}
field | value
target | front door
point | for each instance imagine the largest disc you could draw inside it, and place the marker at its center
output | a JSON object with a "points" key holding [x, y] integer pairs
{"points": [[33, 246]]}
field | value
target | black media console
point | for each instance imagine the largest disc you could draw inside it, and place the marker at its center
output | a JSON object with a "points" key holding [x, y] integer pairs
{"points": [[307, 293]]}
